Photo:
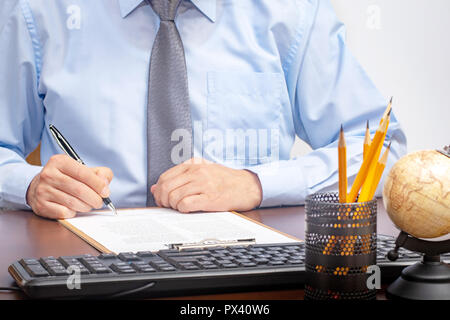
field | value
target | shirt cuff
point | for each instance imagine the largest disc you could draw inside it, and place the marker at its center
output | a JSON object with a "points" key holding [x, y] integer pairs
{"points": [[281, 183], [14, 185]]}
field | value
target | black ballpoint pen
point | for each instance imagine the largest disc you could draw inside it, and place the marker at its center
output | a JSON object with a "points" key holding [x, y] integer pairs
{"points": [[67, 148]]}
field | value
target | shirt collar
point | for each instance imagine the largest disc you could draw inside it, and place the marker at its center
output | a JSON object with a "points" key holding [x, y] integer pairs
{"points": [[207, 7]]}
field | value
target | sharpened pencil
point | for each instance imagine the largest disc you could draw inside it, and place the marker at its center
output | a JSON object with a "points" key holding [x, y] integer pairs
{"points": [[381, 165], [367, 185], [342, 151], [367, 141], [364, 170]]}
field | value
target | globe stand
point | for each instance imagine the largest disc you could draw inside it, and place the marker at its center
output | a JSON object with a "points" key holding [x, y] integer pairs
{"points": [[426, 280]]}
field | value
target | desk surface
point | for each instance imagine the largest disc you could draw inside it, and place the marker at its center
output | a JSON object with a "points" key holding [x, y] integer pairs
{"points": [[23, 234]]}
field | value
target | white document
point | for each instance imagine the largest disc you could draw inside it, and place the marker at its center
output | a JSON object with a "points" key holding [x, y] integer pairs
{"points": [[155, 229]]}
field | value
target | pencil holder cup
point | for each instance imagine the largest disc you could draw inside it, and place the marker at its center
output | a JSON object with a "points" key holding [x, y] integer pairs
{"points": [[341, 243]]}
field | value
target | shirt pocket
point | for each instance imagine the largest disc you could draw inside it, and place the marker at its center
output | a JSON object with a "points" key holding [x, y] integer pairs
{"points": [[244, 110]]}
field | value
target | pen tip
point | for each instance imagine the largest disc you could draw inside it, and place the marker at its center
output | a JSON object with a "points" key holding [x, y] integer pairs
{"points": [[113, 209]]}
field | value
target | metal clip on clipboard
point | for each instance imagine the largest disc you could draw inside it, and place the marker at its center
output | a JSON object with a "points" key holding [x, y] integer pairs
{"points": [[445, 151], [208, 243]]}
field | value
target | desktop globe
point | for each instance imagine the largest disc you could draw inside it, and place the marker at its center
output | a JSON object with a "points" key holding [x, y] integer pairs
{"points": [[416, 194]]}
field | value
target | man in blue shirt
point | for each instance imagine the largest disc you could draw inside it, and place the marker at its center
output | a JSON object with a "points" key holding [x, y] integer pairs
{"points": [[259, 73]]}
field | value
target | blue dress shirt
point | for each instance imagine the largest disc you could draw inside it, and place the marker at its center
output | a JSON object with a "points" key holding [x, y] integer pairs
{"points": [[259, 73]]}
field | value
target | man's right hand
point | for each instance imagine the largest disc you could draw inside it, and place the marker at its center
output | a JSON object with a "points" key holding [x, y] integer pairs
{"points": [[64, 187]]}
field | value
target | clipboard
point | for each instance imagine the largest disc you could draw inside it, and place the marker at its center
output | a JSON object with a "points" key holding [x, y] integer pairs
{"points": [[204, 243]]}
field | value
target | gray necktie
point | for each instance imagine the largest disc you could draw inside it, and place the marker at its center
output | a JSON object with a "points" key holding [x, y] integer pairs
{"points": [[168, 97]]}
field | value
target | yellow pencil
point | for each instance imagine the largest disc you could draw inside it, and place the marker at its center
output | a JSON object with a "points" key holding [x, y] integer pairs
{"points": [[342, 150], [363, 171], [388, 110], [379, 172], [367, 141], [367, 185]]}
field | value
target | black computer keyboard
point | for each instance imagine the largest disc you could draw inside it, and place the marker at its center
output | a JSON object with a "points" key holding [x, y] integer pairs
{"points": [[187, 272]]}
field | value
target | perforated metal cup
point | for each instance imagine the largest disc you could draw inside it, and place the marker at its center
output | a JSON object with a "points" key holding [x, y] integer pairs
{"points": [[341, 243]]}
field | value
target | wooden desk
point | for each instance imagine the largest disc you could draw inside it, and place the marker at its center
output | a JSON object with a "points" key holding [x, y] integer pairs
{"points": [[23, 234]]}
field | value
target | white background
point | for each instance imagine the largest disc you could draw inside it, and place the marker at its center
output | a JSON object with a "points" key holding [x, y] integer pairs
{"points": [[404, 45]]}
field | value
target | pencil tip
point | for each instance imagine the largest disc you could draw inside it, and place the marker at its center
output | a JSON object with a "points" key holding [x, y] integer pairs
{"points": [[342, 128], [389, 113], [367, 124], [389, 146], [390, 102]]}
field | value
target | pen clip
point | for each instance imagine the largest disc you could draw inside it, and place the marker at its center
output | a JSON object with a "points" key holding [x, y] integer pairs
{"points": [[64, 144]]}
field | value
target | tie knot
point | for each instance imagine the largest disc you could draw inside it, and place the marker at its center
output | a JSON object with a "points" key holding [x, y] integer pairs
{"points": [[165, 9]]}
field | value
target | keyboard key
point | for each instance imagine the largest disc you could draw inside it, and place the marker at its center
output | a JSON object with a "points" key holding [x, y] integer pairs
{"points": [[139, 264], [58, 272], [25, 262], [283, 255], [52, 264], [208, 259], [84, 271], [221, 251], [126, 271], [277, 258], [261, 260], [167, 269], [256, 249], [37, 270], [107, 256], [192, 267], [248, 264], [121, 264], [119, 268], [235, 254], [229, 265], [145, 254], [243, 261], [240, 250], [276, 263], [128, 256], [101, 270], [68, 261]]}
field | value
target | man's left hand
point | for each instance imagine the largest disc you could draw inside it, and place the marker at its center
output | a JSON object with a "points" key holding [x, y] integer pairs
{"points": [[200, 185]]}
